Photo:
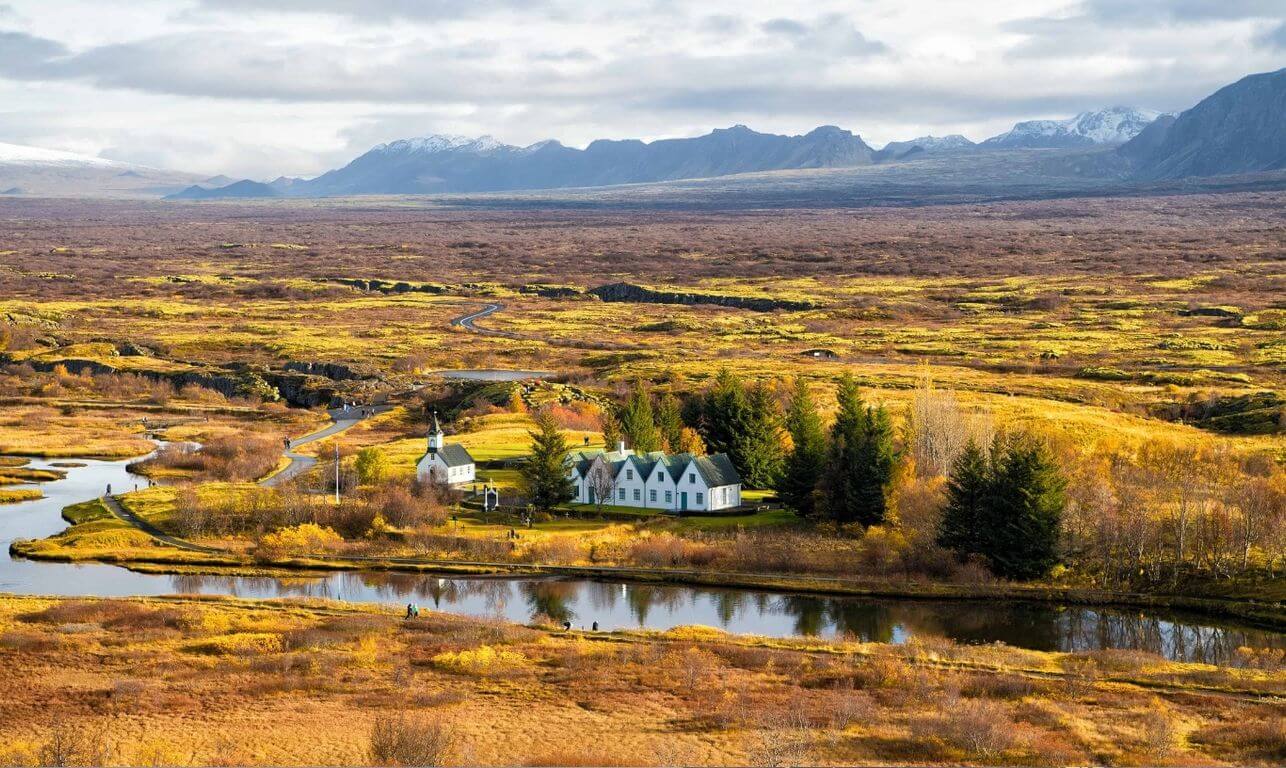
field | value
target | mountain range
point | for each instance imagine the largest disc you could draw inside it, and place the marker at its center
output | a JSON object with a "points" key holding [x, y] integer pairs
{"points": [[458, 164], [1239, 129]]}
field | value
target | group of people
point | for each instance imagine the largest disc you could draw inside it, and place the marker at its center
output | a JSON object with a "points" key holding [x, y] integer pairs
{"points": [[363, 411], [412, 611]]}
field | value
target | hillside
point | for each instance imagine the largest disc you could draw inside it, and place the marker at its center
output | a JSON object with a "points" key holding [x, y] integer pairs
{"points": [[1240, 128]]}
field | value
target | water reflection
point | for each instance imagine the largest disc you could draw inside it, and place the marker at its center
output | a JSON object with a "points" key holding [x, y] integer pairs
{"points": [[622, 606]]}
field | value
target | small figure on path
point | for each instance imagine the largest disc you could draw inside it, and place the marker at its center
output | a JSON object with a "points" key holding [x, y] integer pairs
{"points": [[567, 626], [596, 626], [109, 489], [410, 610]]}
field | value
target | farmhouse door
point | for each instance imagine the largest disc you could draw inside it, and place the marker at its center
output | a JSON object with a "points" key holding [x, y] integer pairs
{"points": [[683, 500]]}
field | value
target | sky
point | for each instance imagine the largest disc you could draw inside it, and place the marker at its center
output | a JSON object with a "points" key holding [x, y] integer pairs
{"points": [[260, 88]]}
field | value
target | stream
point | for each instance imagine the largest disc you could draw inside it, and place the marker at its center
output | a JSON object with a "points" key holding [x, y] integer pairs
{"points": [[622, 604]]}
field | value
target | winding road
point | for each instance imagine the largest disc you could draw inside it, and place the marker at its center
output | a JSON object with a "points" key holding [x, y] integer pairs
{"points": [[467, 322], [300, 463]]}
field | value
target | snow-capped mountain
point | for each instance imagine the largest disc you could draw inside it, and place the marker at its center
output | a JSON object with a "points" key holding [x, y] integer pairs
{"points": [[441, 143], [901, 150], [1114, 125], [18, 154], [35, 172]]}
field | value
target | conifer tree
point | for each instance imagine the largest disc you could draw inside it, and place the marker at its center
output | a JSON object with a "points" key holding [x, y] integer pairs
{"points": [[1028, 498], [723, 414], [807, 459], [757, 445], [638, 424], [544, 476], [968, 486], [1007, 508], [669, 421], [861, 461]]}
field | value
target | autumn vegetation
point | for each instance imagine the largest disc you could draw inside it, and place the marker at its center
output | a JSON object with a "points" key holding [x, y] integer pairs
{"points": [[1066, 397]]}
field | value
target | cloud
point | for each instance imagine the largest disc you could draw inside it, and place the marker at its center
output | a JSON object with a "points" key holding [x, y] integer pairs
{"points": [[832, 34], [261, 87], [1152, 12], [23, 55], [378, 10], [1274, 39]]}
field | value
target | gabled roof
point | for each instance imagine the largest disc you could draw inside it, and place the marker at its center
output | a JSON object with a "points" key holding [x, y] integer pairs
{"points": [[454, 455], [716, 470]]}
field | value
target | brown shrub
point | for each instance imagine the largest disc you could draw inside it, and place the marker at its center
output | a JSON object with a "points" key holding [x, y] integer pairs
{"points": [[400, 740], [401, 507], [981, 728]]}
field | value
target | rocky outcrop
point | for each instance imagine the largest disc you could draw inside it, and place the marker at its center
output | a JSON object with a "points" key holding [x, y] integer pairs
{"points": [[637, 293], [298, 388], [386, 286], [552, 291], [334, 371]]}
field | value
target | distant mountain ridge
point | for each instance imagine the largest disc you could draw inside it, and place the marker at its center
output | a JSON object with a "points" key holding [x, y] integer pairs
{"points": [[1113, 125], [458, 164], [901, 150], [1241, 128]]}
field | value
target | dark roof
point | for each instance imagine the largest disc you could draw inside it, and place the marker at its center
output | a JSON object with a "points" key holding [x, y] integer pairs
{"points": [[717, 470], [454, 455]]}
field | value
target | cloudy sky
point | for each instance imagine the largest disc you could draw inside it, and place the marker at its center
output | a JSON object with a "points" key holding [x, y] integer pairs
{"points": [[264, 87]]}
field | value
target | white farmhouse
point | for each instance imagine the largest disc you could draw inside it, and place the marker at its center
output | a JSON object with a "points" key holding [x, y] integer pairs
{"points": [[445, 464], [673, 482]]}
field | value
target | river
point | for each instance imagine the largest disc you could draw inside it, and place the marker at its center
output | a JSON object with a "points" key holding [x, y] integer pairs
{"points": [[626, 605]]}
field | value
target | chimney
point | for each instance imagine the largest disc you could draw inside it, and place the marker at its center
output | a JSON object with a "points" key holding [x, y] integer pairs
{"points": [[621, 446]]}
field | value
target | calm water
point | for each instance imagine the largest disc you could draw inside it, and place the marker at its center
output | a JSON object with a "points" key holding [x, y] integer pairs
{"points": [[623, 605]]}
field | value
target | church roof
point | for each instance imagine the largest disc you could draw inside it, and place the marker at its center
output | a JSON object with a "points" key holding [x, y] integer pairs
{"points": [[454, 455]]}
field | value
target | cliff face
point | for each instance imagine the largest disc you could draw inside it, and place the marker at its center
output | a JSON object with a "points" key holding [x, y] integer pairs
{"points": [[637, 293]]}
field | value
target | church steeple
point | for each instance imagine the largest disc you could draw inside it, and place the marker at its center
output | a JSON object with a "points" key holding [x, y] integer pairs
{"points": [[435, 435]]}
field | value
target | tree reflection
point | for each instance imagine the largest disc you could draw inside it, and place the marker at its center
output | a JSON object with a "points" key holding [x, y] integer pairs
{"points": [[550, 598]]}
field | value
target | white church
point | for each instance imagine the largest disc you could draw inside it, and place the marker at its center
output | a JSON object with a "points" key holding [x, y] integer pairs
{"points": [[445, 464], [657, 480]]}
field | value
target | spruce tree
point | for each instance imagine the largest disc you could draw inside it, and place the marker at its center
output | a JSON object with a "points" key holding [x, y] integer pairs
{"points": [[861, 460], [1006, 508], [1027, 506], [807, 458], [723, 415], [638, 425], [757, 446], [968, 487], [544, 476], [669, 420]]}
